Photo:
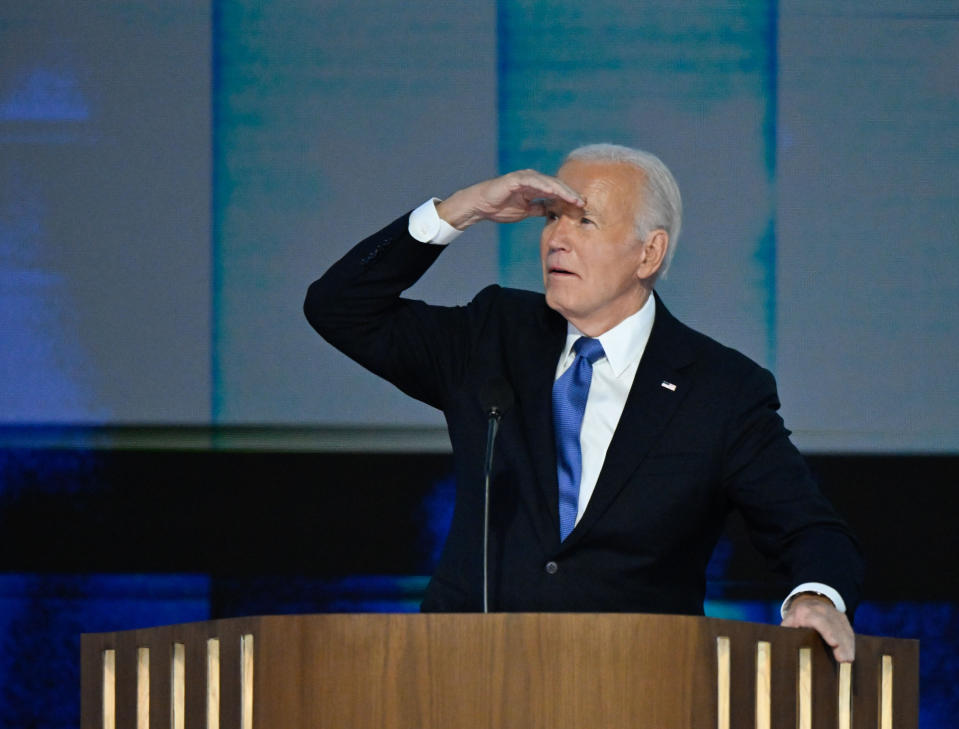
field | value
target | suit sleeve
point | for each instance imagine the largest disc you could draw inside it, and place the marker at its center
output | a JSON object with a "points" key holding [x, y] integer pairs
{"points": [[357, 307], [789, 519]]}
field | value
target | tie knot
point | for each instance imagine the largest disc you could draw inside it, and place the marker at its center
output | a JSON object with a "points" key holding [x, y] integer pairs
{"points": [[589, 348]]}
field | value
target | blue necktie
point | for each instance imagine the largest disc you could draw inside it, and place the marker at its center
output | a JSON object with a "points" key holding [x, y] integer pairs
{"points": [[569, 403]]}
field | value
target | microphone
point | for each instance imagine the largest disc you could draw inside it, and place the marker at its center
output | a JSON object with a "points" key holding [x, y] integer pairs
{"points": [[496, 397]]}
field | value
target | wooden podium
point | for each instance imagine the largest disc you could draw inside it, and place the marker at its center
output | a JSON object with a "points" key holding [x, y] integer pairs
{"points": [[498, 671]]}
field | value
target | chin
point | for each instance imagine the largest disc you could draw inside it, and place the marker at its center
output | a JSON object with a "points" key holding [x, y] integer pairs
{"points": [[554, 302]]}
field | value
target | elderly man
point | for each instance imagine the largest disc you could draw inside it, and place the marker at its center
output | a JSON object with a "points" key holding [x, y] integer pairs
{"points": [[631, 437]]}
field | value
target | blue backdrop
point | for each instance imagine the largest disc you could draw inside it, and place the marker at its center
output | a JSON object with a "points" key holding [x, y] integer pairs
{"points": [[174, 174]]}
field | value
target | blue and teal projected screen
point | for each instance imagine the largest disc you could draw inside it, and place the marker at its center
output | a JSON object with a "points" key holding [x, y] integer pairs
{"points": [[173, 175]]}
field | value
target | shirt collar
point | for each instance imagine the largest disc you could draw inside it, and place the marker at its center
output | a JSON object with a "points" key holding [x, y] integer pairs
{"points": [[625, 343]]}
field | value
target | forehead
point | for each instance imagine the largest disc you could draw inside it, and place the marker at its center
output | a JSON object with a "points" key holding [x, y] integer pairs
{"points": [[607, 186]]}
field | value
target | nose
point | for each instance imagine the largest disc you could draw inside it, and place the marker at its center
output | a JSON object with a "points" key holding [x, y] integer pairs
{"points": [[557, 234]]}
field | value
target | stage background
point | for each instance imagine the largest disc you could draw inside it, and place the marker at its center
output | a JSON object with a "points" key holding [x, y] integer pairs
{"points": [[174, 173]]}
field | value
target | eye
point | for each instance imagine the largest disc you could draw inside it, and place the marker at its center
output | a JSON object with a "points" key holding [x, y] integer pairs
{"points": [[551, 216], [586, 221]]}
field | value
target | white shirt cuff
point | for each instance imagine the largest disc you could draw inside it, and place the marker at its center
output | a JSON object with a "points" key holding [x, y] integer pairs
{"points": [[818, 588], [427, 226]]}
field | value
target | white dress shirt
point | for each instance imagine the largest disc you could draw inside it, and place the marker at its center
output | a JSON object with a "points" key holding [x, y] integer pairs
{"points": [[613, 376]]}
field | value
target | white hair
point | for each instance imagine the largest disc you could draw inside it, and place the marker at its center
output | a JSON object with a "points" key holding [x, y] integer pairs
{"points": [[661, 206]]}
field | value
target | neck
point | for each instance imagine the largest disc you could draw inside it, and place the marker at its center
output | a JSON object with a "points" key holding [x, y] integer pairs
{"points": [[597, 325]]}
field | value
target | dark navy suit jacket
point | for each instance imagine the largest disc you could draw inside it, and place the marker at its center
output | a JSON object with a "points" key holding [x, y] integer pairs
{"points": [[681, 458]]}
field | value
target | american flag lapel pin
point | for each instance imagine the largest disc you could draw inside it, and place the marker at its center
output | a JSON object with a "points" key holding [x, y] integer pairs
{"points": [[668, 385]]}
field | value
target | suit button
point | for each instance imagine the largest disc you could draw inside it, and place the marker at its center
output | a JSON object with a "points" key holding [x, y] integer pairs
{"points": [[552, 568]]}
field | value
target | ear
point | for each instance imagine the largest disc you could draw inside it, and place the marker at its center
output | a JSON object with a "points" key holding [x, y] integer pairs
{"points": [[653, 254]]}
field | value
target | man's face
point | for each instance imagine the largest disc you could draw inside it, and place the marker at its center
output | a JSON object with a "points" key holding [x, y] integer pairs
{"points": [[592, 258]]}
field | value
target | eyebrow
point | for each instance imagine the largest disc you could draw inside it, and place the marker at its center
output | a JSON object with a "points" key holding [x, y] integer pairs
{"points": [[551, 203], [588, 212]]}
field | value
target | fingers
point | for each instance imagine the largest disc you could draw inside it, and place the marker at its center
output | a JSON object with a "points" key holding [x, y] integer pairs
{"points": [[822, 616], [506, 199], [537, 186]]}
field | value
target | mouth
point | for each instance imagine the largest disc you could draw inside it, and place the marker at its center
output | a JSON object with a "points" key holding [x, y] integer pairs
{"points": [[556, 271]]}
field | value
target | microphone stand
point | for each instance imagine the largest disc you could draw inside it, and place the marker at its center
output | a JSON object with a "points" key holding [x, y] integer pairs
{"points": [[492, 429], [496, 397]]}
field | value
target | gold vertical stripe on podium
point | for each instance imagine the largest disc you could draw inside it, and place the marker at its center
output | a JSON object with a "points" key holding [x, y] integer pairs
{"points": [[213, 683], [246, 682], [885, 694], [845, 696], [109, 689], [143, 687], [722, 682], [178, 687], [763, 681], [804, 689]]}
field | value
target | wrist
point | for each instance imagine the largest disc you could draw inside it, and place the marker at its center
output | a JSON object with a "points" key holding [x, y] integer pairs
{"points": [[817, 596], [828, 593], [458, 211]]}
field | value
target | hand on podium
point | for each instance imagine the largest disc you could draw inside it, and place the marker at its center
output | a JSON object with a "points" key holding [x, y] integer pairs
{"points": [[808, 610]]}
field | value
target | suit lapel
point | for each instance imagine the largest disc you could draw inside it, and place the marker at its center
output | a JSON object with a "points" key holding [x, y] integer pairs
{"points": [[534, 371], [649, 408]]}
